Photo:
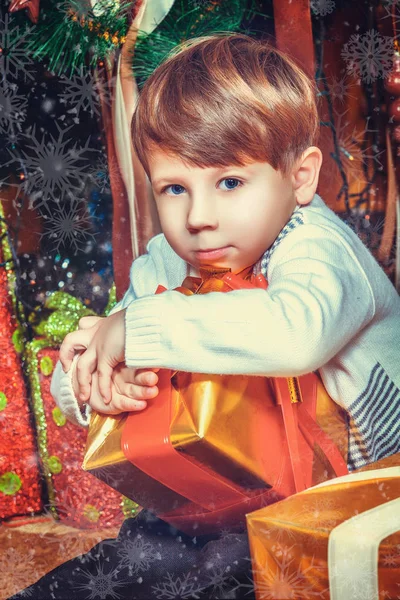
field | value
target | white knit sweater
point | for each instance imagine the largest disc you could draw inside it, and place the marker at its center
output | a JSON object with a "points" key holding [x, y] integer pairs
{"points": [[329, 307]]}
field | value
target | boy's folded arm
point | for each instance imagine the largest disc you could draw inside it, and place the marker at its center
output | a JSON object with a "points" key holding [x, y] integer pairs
{"points": [[142, 277], [61, 383], [313, 307]]}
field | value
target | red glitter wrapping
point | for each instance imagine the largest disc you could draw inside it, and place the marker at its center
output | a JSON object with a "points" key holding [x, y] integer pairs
{"points": [[19, 454], [81, 500]]}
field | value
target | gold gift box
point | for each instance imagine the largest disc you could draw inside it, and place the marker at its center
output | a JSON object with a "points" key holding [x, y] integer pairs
{"points": [[105, 459], [222, 421], [230, 425], [330, 541], [219, 421]]}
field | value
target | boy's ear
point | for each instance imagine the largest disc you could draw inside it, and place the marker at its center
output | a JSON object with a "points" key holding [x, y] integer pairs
{"points": [[306, 174]]}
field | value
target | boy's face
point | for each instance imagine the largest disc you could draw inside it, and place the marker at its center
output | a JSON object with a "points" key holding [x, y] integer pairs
{"points": [[240, 210]]}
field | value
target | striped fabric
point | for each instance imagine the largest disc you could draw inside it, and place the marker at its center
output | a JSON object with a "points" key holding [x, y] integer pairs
{"points": [[295, 220], [374, 420]]}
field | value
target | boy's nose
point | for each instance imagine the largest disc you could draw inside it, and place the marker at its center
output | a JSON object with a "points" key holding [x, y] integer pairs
{"points": [[202, 213]]}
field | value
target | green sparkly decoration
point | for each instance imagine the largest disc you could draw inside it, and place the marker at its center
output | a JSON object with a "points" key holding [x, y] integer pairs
{"points": [[129, 507], [112, 300], [10, 483], [18, 340], [46, 366], [54, 464], [9, 265], [3, 401], [91, 513], [61, 316], [32, 366], [58, 417]]}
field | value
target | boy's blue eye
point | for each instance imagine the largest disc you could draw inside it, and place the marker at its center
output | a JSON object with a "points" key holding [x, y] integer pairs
{"points": [[232, 179], [176, 185]]}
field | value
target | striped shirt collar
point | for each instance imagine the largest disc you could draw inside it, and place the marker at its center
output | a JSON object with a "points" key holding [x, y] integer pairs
{"points": [[296, 219]]}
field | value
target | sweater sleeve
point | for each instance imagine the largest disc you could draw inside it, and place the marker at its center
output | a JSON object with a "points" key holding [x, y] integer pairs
{"points": [[159, 265], [63, 394], [61, 382], [317, 301]]}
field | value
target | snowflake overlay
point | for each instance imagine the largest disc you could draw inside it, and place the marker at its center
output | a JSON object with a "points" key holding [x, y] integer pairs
{"points": [[353, 153], [81, 8], [17, 564], [69, 226], [388, 6], [222, 583], [174, 588], [345, 581], [201, 3], [55, 168], [12, 107], [286, 580], [322, 7], [369, 56], [101, 585], [137, 554], [81, 92], [339, 89], [14, 59], [104, 171]]}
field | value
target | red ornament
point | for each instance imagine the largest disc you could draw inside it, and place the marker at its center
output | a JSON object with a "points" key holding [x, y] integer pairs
{"points": [[32, 6], [392, 82], [396, 134], [394, 110]]}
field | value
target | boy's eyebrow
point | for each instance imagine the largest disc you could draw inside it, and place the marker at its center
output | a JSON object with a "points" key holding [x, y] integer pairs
{"points": [[217, 170]]}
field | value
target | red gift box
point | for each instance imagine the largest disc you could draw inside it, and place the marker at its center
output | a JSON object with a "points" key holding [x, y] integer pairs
{"points": [[196, 487]]}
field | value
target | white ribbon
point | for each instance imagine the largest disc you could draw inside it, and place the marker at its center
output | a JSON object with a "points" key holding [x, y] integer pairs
{"points": [[150, 15], [353, 546]]}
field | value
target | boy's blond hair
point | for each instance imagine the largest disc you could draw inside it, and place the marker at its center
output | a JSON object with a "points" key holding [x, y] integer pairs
{"points": [[227, 99]]}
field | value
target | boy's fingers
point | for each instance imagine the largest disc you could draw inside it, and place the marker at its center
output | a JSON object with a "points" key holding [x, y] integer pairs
{"points": [[123, 403], [146, 378], [88, 322], [136, 392], [119, 403], [86, 365], [104, 372], [72, 342], [123, 374]]}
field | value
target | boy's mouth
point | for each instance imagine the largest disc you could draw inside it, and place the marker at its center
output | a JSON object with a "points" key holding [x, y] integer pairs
{"points": [[211, 253]]}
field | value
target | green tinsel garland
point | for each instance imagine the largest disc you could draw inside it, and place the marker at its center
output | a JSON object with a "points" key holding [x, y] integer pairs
{"points": [[69, 35], [187, 20]]}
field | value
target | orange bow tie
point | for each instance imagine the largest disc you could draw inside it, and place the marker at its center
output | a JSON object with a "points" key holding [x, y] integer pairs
{"points": [[219, 279]]}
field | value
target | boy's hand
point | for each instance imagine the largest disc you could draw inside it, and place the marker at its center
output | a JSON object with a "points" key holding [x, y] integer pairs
{"points": [[105, 351], [79, 340], [130, 389]]}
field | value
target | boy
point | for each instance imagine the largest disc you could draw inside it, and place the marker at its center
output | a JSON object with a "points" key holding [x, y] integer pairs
{"points": [[329, 306], [227, 109]]}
